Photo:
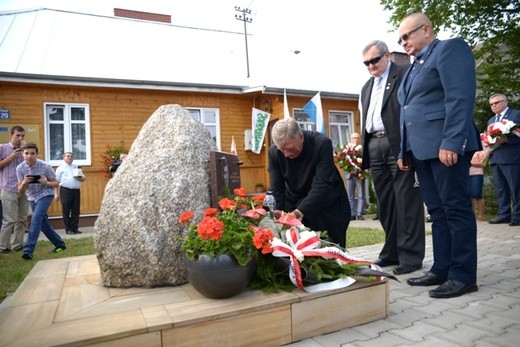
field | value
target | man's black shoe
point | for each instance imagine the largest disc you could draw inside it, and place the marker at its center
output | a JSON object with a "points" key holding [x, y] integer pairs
{"points": [[27, 256], [77, 232], [429, 279], [384, 263], [514, 223], [498, 221], [406, 269], [451, 289], [5, 251], [69, 232]]}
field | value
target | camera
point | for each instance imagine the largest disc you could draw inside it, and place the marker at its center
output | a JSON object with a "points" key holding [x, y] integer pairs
{"points": [[115, 165], [35, 178]]}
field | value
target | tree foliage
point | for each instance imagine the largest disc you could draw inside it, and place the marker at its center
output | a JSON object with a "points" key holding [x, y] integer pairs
{"points": [[491, 27]]}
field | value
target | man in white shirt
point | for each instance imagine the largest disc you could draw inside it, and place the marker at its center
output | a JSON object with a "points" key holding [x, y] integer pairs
{"points": [[70, 178]]}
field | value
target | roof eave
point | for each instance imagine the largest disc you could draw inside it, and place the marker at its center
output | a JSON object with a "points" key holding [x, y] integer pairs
{"points": [[119, 83]]}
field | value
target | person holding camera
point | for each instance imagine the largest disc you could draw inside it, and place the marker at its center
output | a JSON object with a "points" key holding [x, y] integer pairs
{"points": [[15, 206], [37, 180], [117, 162]]}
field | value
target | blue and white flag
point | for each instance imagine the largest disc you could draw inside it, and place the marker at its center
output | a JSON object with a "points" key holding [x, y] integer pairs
{"points": [[314, 110]]}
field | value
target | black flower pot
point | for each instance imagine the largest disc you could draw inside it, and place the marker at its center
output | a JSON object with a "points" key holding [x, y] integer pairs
{"points": [[219, 276]]}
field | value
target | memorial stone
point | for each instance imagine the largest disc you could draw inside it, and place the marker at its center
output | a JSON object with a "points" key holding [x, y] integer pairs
{"points": [[166, 172]]}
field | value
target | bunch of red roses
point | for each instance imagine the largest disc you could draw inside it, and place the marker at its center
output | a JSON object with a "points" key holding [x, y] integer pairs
{"points": [[349, 158]]}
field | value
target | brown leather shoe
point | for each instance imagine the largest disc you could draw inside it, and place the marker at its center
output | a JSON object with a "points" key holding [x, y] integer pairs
{"points": [[429, 279]]}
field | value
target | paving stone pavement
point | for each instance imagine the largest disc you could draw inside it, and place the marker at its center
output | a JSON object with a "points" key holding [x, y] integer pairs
{"points": [[488, 317]]}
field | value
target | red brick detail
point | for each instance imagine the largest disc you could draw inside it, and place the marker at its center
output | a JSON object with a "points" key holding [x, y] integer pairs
{"points": [[154, 17]]}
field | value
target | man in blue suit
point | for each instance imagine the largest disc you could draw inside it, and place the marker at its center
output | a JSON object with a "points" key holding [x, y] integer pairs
{"points": [[438, 134], [505, 163]]}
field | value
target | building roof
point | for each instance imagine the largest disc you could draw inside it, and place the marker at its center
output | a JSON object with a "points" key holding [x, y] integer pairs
{"points": [[57, 46]]}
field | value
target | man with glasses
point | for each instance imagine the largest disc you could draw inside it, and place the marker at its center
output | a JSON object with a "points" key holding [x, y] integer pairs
{"points": [[505, 163], [305, 182], [437, 97], [399, 202]]}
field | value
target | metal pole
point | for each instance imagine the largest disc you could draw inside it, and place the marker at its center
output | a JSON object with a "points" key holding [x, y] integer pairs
{"points": [[243, 17]]}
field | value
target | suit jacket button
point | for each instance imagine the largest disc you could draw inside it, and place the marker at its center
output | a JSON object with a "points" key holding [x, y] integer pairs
{"points": [[405, 107]]}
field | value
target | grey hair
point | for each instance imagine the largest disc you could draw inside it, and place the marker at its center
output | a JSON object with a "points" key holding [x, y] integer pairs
{"points": [[502, 96], [283, 129], [381, 47]]}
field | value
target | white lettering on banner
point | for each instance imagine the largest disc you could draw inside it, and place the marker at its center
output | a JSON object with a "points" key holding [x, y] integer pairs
{"points": [[260, 122]]}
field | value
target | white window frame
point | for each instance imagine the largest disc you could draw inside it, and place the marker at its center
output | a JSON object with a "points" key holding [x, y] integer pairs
{"points": [[67, 122], [204, 112], [344, 130], [303, 119]]}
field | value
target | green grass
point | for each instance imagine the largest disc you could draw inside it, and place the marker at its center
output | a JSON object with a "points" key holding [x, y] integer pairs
{"points": [[357, 237], [13, 268]]}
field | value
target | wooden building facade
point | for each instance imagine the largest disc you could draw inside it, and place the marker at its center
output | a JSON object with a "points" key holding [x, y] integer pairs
{"points": [[118, 109]]}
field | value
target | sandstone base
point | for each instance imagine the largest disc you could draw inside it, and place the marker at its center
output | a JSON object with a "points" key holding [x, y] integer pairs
{"points": [[62, 302]]}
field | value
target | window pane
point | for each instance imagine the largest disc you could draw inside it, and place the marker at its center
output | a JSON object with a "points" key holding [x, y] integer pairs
{"points": [[334, 135], [213, 132], [55, 113], [77, 113], [210, 117], [56, 139], [195, 114], [79, 141], [301, 116]]}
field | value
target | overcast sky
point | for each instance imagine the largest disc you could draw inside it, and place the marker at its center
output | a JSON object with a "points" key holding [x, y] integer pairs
{"points": [[329, 34]]}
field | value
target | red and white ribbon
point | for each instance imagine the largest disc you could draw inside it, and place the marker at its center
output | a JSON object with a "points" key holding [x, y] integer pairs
{"points": [[303, 244]]}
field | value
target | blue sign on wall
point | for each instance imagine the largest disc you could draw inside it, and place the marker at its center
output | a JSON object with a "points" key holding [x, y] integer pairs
{"points": [[5, 114]]}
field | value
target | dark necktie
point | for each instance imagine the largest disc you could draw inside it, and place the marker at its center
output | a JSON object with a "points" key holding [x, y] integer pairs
{"points": [[497, 117]]}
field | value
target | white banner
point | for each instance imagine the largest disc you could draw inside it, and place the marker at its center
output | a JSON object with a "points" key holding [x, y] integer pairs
{"points": [[259, 127]]}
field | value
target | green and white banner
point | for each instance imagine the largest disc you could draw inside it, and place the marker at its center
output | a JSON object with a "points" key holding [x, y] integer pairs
{"points": [[259, 127]]}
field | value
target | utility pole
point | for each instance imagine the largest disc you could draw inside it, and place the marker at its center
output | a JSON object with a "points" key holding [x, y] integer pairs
{"points": [[244, 18]]}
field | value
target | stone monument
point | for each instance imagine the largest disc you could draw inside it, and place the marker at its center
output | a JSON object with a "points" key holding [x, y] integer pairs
{"points": [[166, 172]]}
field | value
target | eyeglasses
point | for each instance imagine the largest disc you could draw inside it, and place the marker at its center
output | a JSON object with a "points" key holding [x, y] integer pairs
{"points": [[406, 36], [496, 102], [373, 61]]}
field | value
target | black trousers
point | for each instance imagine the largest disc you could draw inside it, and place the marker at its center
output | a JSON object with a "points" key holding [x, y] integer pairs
{"points": [[70, 199], [400, 206]]}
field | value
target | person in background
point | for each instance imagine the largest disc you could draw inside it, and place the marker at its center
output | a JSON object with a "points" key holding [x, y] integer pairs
{"points": [[505, 164], [117, 162], [437, 97], [305, 181], [69, 192], [37, 180], [15, 206], [354, 183], [476, 182], [398, 198]]}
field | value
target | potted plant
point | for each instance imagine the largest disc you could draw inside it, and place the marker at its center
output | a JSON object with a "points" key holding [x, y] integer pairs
{"points": [[225, 248]]}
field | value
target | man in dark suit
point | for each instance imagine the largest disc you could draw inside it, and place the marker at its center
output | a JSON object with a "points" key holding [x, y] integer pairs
{"points": [[306, 182], [505, 163], [400, 205], [437, 97]]}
